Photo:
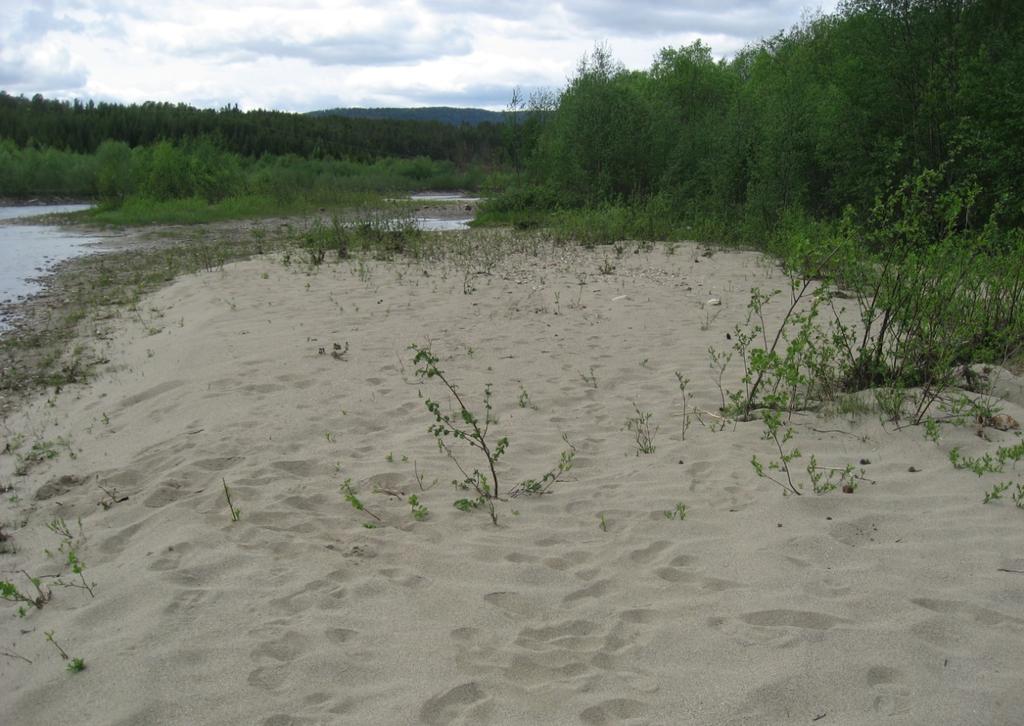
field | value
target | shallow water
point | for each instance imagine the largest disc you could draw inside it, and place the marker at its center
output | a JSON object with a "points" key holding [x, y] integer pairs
{"points": [[28, 251], [433, 224], [442, 197]]}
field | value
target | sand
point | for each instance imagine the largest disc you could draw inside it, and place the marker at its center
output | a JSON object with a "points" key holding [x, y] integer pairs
{"points": [[902, 603]]}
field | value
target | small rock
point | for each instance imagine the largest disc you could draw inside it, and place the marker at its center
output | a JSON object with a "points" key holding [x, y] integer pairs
{"points": [[865, 462], [913, 470], [713, 301], [847, 489]]}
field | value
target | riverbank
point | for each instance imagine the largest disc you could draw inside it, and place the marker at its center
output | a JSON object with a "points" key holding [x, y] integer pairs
{"points": [[36, 330], [659, 587]]}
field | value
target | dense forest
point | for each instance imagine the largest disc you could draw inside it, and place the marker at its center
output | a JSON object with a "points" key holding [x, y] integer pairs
{"points": [[82, 127], [817, 121], [441, 114]]}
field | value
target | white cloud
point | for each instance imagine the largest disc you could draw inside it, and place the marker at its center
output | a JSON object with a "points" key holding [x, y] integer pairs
{"points": [[307, 54]]}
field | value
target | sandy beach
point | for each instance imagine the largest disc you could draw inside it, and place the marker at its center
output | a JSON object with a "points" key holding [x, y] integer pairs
{"points": [[901, 603]]}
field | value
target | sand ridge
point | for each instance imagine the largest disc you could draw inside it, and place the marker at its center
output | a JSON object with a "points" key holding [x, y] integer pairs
{"points": [[896, 604]]}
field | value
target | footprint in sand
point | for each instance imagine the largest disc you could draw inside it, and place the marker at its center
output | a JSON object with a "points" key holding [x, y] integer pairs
{"points": [[780, 628], [612, 711], [168, 492], [466, 703], [891, 698], [512, 603], [571, 635], [967, 611], [645, 554], [115, 544], [594, 590], [170, 559]]}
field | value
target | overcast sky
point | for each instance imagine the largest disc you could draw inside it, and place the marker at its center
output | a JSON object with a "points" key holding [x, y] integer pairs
{"points": [[301, 55]]}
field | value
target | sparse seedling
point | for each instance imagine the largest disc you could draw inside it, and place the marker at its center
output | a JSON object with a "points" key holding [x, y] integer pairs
{"points": [[463, 425], [419, 478], [687, 398], [640, 426], [602, 523], [997, 491], [67, 540], [718, 361], [829, 478], [40, 451], [590, 379], [419, 511], [9, 591], [987, 463], [236, 513], [77, 567], [773, 425], [74, 665], [678, 513], [524, 399], [544, 484], [351, 498]]}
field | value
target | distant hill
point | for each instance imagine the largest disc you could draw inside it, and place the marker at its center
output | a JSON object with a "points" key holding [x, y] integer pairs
{"points": [[442, 114]]}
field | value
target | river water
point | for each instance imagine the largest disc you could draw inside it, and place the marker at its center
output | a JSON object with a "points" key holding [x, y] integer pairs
{"points": [[28, 251]]}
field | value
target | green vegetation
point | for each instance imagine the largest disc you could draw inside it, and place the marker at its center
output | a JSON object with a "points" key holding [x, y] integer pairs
{"points": [[83, 127], [198, 181], [442, 114], [462, 425], [640, 426], [797, 127]]}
